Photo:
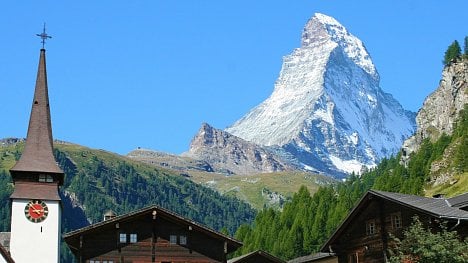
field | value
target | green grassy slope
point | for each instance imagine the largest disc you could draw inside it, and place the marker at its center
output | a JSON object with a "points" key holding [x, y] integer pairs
{"points": [[262, 190]]}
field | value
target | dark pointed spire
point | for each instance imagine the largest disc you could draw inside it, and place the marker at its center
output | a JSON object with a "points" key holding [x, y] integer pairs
{"points": [[38, 157]]}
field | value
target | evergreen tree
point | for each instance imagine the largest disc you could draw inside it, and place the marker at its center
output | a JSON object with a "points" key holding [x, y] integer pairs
{"points": [[453, 52]]}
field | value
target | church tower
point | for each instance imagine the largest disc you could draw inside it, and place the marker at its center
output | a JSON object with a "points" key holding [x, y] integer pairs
{"points": [[36, 203]]}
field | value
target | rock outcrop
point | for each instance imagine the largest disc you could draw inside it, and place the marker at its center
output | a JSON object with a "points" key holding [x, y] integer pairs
{"points": [[440, 109], [230, 154]]}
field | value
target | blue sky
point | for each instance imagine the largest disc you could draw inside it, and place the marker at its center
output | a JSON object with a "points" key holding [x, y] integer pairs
{"points": [[127, 74]]}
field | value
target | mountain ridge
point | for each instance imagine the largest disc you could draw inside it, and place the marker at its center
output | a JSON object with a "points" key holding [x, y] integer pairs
{"points": [[98, 180], [230, 154]]}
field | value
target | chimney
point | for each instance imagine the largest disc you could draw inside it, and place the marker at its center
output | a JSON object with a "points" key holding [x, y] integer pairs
{"points": [[109, 215]]}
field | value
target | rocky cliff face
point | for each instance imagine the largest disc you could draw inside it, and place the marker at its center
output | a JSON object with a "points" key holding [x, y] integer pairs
{"points": [[327, 109], [441, 108], [230, 154]]}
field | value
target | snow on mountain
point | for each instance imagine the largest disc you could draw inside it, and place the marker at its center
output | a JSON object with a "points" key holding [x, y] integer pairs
{"points": [[327, 108]]}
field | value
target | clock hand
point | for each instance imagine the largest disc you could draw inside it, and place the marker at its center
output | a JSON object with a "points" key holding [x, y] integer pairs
{"points": [[37, 211]]}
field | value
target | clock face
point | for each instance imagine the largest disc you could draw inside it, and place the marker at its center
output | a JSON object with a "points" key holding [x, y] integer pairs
{"points": [[36, 211]]}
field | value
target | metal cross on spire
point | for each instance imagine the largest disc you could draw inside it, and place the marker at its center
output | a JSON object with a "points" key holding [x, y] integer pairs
{"points": [[43, 36]]}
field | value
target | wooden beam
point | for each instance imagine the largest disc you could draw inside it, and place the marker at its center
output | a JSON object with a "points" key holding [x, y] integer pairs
{"points": [[154, 237], [80, 251], [383, 229]]}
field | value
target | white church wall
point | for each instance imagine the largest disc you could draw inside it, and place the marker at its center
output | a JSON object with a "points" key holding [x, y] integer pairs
{"points": [[35, 242]]}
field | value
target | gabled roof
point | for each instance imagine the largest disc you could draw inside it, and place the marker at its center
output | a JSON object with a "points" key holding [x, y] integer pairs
{"points": [[459, 201], [435, 207], [38, 151], [256, 255], [6, 255], [4, 245], [312, 258], [72, 238]]}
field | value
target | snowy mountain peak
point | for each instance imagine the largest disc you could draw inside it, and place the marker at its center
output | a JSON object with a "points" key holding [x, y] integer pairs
{"points": [[322, 27], [327, 108]]}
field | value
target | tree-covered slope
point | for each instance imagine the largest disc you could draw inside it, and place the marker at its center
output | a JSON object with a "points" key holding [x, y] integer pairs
{"points": [[96, 181]]}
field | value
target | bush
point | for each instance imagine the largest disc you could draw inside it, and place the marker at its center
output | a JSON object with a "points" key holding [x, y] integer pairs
{"points": [[425, 246]]}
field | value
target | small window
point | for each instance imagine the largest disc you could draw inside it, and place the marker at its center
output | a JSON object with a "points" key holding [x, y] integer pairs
{"points": [[370, 227], [46, 178], [173, 239], [396, 220], [183, 240], [123, 238], [133, 238]]}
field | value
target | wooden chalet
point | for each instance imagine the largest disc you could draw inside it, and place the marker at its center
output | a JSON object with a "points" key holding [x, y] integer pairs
{"points": [[364, 235], [258, 256], [152, 234]]}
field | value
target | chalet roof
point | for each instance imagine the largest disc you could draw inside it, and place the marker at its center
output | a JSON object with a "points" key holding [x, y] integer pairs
{"points": [[259, 256], [5, 240], [4, 253], [38, 151], [312, 258], [459, 201], [72, 238], [435, 207]]}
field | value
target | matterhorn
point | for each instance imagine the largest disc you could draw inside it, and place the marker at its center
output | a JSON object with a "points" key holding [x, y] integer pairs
{"points": [[327, 108], [327, 112]]}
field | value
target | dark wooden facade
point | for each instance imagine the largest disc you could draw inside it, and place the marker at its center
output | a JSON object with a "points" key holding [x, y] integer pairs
{"points": [[149, 235], [364, 236]]}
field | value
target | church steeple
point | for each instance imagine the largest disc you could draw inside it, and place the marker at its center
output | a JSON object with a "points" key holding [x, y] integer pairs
{"points": [[36, 209], [38, 154]]}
